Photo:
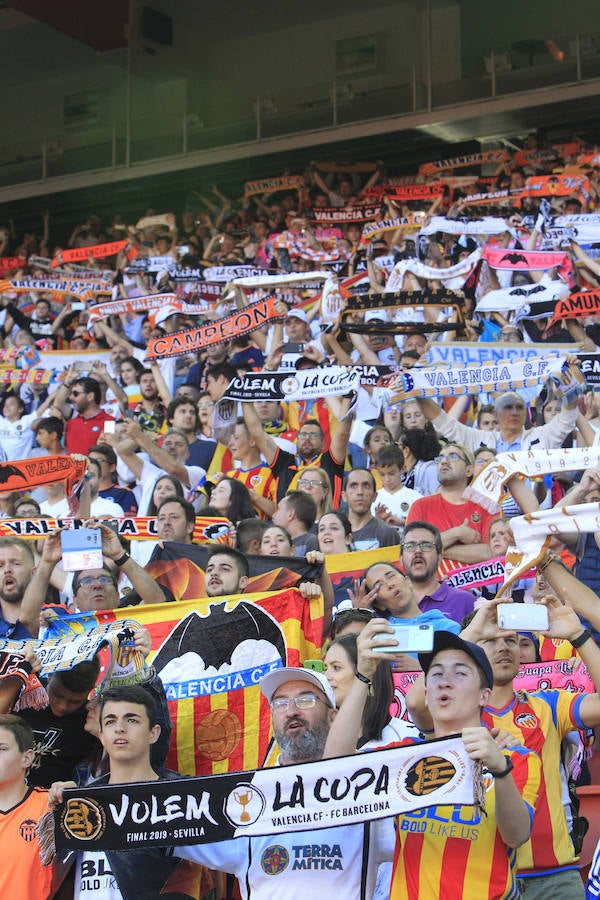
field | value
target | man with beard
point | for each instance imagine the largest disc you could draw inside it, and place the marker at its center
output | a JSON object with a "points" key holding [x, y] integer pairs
{"points": [[150, 412], [343, 859], [421, 554], [83, 430], [227, 572], [16, 568], [310, 451]]}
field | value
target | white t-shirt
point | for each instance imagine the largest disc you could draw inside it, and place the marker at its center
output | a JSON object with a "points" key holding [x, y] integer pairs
{"points": [[16, 438], [93, 878], [326, 862], [58, 510], [398, 503], [102, 506]]}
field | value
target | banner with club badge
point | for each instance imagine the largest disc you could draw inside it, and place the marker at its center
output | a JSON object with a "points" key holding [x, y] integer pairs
{"points": [[80, 637], [321, 794], [211, 653], [454, 381], [304, 384]]}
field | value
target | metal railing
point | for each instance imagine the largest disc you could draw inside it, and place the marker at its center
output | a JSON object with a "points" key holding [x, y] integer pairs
{"points": [[283, 113]]}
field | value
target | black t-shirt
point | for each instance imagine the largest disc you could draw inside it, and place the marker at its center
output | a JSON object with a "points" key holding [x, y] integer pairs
{"points": [[60, 744], [285, 467]]}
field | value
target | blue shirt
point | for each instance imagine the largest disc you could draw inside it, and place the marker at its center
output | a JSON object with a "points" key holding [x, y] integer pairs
{"points": [[15, 631], [433, 617]]}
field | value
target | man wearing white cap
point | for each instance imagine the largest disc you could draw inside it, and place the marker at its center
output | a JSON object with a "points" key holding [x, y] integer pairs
{"points": [[343, 859], [297, 328]]}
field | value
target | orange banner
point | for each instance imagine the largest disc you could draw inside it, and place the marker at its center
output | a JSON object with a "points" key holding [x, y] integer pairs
{"points": [[207, 530], [243, 321], [96, 251], [23, 474]]}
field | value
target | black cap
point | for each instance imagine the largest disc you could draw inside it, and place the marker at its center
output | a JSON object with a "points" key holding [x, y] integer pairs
{"points": [[445, 640]]}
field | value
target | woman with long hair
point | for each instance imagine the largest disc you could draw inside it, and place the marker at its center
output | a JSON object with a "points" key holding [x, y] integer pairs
{"points": [[334, 533], [276, 541], [378, 725], [411, 415], [130, 372], [231, 499], [165, 486]]}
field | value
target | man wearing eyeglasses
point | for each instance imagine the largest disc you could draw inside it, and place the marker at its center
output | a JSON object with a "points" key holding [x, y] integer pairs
{"points": [[343, 859], [463, 524], [421, 554], [94, 589], [310, 451]]}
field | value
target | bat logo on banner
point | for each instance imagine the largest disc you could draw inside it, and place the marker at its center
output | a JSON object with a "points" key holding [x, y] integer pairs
{"points": [[7, 472], [526, 292], [514, 258], [194, 638]]}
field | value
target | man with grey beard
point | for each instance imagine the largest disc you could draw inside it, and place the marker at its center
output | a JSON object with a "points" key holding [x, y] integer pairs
{"points": [[302, 709], [340, 860]]}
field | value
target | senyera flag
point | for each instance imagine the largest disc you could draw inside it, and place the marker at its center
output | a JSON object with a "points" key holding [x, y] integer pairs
{"points": [[211, 655]]}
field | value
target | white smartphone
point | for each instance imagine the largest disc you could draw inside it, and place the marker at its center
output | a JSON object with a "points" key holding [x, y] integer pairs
{"points": [[410, 638], [109, 427], [523, 616]]}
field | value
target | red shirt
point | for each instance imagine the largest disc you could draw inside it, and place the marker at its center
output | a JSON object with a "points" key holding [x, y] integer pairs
{"points": [[81, 433], [445, 515]]}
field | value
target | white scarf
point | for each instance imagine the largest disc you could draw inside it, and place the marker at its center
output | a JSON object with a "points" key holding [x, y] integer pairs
{"points": [[453, 277], [489, 486]]}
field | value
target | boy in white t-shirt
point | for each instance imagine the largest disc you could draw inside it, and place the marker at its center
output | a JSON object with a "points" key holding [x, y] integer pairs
{"points": [[393, 500]]}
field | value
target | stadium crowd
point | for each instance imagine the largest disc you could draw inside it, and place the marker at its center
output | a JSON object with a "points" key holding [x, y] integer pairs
{"points": [[382, 383]]}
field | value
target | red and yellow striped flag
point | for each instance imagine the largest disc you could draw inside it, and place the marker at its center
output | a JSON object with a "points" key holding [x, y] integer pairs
{"points": [[211, 655]]}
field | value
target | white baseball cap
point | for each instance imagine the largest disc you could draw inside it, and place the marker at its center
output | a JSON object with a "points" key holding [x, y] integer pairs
{"points": [[376, 314], [273, 680], [297, 314]]}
